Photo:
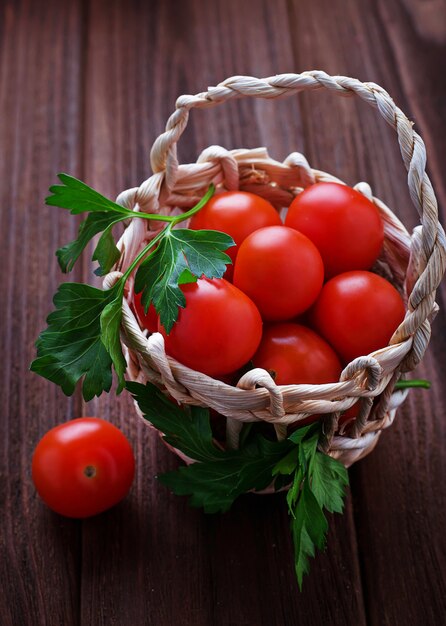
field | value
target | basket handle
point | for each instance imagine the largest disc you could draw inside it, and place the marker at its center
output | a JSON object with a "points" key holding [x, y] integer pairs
{"points": [[163, 154], [432, 251]]}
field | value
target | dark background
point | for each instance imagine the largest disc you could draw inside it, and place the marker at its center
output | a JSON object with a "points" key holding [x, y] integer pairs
{"points": [[85, 87]]}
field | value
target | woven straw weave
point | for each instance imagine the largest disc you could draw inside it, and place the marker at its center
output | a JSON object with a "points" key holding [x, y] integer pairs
{"points": [[414, 264]]}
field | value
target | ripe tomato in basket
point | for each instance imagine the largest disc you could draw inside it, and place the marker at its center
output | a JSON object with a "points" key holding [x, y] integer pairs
{"points": [[357, 313], [297, 355], [219, 329], [281, 270], [148, 320], [237, 213], [343, 224]]}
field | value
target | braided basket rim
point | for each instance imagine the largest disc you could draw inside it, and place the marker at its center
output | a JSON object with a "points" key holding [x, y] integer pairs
{"points": [[415, 262]]}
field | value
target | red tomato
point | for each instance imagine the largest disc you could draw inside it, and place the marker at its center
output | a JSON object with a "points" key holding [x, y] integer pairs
{"points": [[218, 331], [237, 213], [357, 313], [343, 224], [349, 415], [83, 467], [147, 320], [297, 355], [281, 270]]}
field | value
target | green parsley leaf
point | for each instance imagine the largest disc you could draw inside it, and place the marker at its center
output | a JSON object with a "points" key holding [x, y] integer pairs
{"points": [[319, 483], [219, 476], [110, 323], [78, 197], [106, 252], [216, 484], [82, 340], [180, 254], [74, 346], [308, 527], [188, 430], [288, 463], [294, 490], [329, 480]]}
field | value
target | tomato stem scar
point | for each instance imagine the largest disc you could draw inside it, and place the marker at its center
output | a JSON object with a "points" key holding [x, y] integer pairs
{"points": [[90, 471]]}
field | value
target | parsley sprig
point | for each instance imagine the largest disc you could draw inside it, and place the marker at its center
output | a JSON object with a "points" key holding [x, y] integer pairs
{"points": [[317, 482], [82, 340], [82, 344]]}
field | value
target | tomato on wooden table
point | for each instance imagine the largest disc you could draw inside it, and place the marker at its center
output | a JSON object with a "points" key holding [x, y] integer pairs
{"points": [[83, 467], [297, 355], [237, 213], [357, 313], [281, 270], [219, 329], [344, 225]]}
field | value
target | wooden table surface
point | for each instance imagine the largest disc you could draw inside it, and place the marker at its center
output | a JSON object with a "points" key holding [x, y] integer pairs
{"points": [[85, 87]]}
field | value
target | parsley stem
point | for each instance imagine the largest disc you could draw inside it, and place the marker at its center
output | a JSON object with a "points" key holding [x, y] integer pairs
{"points": [[144, 251], [172, 221], [408, 384], [204, 200], [152, 216], [175, 219]]}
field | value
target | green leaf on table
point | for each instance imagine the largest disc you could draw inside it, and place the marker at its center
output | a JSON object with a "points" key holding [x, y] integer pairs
{"points": [[219, 476], [288, 463], [72, 347], [329, 480], [309, 527], [181, 255], [319, 483], [187, 429], [294, 490], [216, 484]]}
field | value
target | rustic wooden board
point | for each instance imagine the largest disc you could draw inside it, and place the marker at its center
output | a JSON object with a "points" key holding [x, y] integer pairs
{"points": [[86, 88], [398, 491], [40, 122], [218, 561]]}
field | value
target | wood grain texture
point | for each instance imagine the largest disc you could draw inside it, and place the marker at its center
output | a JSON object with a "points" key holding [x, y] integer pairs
{"points": [[85, 87], [152, 566], [219, 560], [40, 102], [398, 491]]}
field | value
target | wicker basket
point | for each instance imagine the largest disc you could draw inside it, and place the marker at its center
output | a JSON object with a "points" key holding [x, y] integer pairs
{"points": [[414, 264]]}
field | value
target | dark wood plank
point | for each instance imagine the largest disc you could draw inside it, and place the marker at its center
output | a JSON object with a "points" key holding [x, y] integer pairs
{"points": [[141, 560], [153, 559], [398, 491], [40, 96], [416, 35], [416, 492]]}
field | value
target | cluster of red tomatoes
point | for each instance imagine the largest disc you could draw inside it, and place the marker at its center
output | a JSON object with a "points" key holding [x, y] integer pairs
{"points": [[298, 300]]}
